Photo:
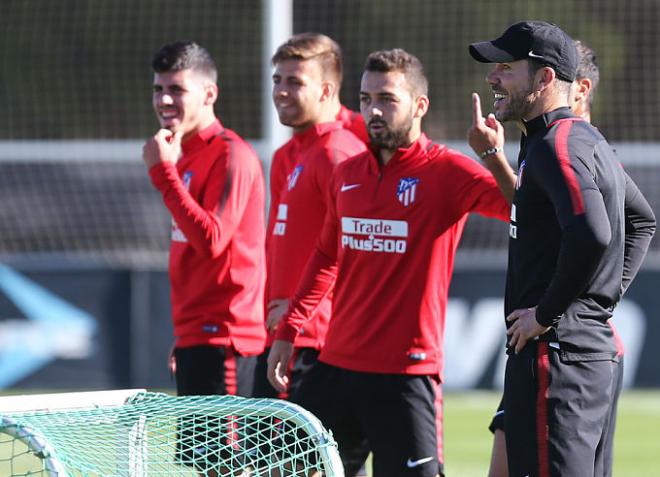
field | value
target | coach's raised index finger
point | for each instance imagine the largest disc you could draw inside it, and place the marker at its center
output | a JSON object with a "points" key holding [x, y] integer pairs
{"points": [[477, 116]]}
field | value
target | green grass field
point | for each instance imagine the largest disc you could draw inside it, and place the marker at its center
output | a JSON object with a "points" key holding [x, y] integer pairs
{"points": [[468, 442]]}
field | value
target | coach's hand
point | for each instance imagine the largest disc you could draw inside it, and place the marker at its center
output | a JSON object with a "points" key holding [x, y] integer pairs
{"points": [[524, 327], [278, 364], [164, 146], [485, 133]]}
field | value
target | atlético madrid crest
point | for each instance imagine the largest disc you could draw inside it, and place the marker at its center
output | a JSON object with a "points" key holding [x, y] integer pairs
{"points": [[293, 177], [405, 192], [187, 177]]}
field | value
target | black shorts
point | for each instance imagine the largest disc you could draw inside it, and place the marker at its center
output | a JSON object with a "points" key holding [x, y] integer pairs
{"points": [[561, 412], [301, 363], [397, 417], [497, 423], [209, 370]]}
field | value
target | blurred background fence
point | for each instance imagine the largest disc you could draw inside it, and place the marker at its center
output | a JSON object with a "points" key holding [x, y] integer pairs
{"points": [[75, 108]]}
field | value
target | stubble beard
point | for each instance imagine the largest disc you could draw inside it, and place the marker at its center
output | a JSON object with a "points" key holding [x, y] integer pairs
{"points": [[519, 107], [391, 139]]}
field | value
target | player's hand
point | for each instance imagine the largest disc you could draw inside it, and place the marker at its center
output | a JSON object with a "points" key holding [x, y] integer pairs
{"points": [[278, 364], [164, 146], [485, 133], [171, 360], [524, 327], [276, 310]]}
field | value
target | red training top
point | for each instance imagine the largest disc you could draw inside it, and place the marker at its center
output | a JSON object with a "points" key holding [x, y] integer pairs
{"points": [[297, 212], [284, 158], [389, 240], [215, 194]]}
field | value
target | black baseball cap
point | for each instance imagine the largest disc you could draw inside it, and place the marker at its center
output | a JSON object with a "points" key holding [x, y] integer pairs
{"points": [[536, 40]]}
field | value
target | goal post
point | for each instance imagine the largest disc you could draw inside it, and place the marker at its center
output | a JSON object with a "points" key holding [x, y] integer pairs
{"points": [[135, 433]]}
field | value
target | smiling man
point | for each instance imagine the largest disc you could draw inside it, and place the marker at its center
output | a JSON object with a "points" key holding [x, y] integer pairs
{"points": [[306, 83], [395, 216], [579, 231], [212, 183]]}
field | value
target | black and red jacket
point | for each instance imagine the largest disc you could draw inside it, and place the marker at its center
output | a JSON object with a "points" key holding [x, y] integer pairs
{"points": [[577, 236]]}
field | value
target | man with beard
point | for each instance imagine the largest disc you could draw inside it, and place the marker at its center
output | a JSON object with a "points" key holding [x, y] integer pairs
{"points": [[484, 137], [386, 251], [579, 231]]}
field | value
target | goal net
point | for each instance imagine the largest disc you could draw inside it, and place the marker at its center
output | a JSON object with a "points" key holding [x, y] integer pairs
{"points": [[140, 434]]}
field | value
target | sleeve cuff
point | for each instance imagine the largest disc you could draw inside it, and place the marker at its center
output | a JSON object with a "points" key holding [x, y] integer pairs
{"points": [[163, 174], [286, 332], [546, 320]]}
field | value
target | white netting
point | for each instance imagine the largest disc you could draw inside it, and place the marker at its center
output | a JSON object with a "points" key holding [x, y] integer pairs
{"points": [[154, 434]]}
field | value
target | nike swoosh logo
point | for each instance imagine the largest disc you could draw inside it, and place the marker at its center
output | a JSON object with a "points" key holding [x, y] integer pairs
{"points": [[531, 54], [345, 187], [414, 463]]}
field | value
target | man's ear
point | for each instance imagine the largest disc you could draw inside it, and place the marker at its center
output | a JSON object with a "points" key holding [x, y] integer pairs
{"points": [[211, 91], [544, 77], [583, 88], [421, 107], [328, 90]]}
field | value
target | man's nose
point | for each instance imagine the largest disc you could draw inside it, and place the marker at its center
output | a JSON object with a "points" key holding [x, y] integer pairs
{"points": [[166, 99], [280, 91], [491, 77]]}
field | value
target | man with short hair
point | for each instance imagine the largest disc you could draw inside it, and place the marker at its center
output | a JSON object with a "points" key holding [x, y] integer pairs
{"points": [[395, 216], [328, 55], [580, 102], [212, 183], [306, 84], [570, 254]]}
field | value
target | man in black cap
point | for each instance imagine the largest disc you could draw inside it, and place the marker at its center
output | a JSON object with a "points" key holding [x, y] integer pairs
{"points": [[569, 256]]}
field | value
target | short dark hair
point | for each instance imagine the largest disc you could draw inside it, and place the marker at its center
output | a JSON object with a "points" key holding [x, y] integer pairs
{"points": [[184, 55], [385, 61], [562, 84], [587, 67], [312, 46]]}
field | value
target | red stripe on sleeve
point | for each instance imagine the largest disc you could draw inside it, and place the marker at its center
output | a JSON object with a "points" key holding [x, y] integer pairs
{"points": [[561, 146], [543, 373]]}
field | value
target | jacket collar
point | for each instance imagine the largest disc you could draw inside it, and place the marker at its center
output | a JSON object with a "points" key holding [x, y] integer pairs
{"points": [[414, 151], [544, 121], [202, 138], [310, 134]]}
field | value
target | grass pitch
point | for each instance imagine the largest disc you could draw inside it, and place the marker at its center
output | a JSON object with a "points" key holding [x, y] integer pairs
{"points": [[468, 442]]}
